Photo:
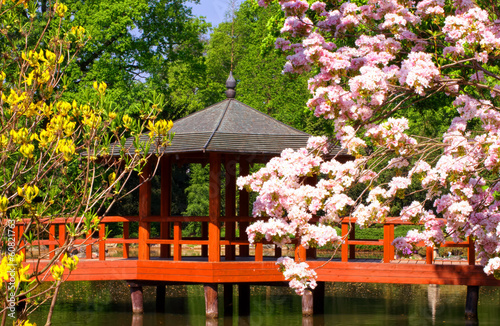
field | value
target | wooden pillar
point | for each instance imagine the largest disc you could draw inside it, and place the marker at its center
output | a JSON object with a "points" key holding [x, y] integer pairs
{"points": [[300, 253], [144, 211], [211, 301], [88, 247], [214, 209], [136, 295], [177, 239], [228, 299], [160, 298], [319, 299], [230, 167], [126, 232], [166, 207], [22, 244], [244, 203], [429, 255], [388, 239], [307, 303], [471, 252], [471, 302], [52, 247], [62, 238], [102, 243], [244, 299], [344, 251], [259, 252]]}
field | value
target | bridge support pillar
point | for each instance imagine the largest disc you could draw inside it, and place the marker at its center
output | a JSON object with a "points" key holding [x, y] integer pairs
{"points": [[211, 301], [243, 299], [160, 298], [307, 303], [228, 299], [313, 301], [471, 302], [136, 296]]}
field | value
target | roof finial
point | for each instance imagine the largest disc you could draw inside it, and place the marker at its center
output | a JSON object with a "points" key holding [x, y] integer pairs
{"points": [[230, 84]]}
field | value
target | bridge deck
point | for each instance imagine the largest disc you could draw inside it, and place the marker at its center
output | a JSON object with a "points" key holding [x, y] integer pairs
{"points": [[250, 263], [245, 270]]}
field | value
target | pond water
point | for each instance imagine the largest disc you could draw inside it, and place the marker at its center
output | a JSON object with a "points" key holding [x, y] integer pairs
{"points": [[108, 303]]}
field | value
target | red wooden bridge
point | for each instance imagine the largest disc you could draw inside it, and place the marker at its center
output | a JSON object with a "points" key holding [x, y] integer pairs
{"points": [[245, 263], [233, 135]]}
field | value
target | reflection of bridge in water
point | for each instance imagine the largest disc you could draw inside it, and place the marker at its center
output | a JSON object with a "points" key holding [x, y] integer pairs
{"points": [[235, 136]]}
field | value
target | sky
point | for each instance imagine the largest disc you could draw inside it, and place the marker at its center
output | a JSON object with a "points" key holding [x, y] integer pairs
{"points": [[213, 10]]}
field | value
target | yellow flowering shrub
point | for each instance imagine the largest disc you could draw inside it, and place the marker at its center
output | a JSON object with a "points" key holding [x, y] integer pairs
{"points": [[60, 158]]}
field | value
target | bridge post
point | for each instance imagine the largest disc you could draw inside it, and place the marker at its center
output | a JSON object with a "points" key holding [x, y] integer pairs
{"points": [[211, 301], [243, 299], [313, 301], [136, 296], [471, 302], [307, 303]]}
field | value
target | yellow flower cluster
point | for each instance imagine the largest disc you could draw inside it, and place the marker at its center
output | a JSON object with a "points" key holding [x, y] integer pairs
{"points": [[28, 192], [12, 269], [42, 62], [57, 271], [27, 323], [60, 9], [159, 128], [101, 88], [77, 31], [67, 148], [22, 137], [4, 203], [127, 121]]}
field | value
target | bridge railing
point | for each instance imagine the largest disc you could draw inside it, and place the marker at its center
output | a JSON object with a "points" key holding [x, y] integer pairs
{"points": [[348, 249], [171, 240]]}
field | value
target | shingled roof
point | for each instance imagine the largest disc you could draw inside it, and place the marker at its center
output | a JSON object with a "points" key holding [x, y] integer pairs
{"points": [[231, 126]]}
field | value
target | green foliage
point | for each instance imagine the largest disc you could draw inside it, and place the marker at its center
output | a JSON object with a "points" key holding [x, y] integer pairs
{"points": [[134, 44]]}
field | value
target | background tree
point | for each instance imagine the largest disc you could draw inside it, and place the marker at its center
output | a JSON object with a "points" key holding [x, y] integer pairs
{"points": [[134, 45]]}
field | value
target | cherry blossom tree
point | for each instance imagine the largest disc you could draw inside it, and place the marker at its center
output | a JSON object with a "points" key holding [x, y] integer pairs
{"points": [[372, 60]]}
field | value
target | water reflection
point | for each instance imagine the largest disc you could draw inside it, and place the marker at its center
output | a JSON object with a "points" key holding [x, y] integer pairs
{"points": [[433, 298], [137, 320], [103, 303]]}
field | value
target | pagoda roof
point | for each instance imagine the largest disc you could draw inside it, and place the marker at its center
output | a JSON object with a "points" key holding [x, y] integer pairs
{"points": [[231, 126]]}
